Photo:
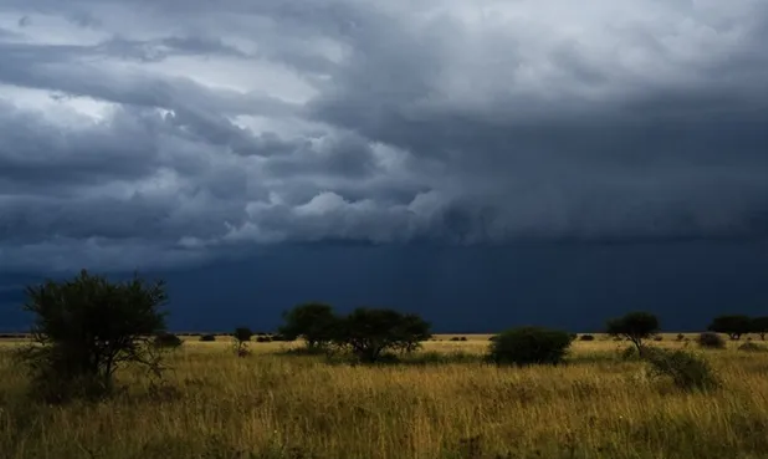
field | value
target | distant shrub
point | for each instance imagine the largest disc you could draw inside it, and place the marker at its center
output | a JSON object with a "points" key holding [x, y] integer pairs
{"points": [[208, 338], [167, 341], [686, 370], [658, 338], [455, 338], [680, 337], [574, 336], [752, 347], [586, 338], [263, 339], [463, 338], [711, 340], [493, 338], [530, 345]]}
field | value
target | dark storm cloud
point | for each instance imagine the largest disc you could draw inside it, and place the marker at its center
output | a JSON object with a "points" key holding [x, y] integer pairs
{"points": [[223, 126]]}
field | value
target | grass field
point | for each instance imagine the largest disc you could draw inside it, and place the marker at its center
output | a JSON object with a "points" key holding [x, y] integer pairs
{"points": [[215, 405]]}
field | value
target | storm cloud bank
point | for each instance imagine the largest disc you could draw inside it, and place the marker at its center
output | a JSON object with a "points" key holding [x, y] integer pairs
{"points": [[158, 134]]}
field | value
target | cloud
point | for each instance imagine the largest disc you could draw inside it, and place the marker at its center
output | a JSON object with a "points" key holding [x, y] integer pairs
{"points": [[145, 134]]}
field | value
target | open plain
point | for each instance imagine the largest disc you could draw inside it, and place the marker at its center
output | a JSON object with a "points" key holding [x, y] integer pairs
{"points": [[442, 402]]}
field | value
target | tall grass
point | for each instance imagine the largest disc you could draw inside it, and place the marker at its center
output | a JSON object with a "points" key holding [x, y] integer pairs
{"points": [[215, 405]]}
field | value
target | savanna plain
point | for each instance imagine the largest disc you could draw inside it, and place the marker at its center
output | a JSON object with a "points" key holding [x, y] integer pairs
{"points": [[441, 402]]}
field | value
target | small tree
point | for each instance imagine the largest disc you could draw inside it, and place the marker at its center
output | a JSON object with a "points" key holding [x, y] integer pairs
{"points": [[242, 336], [369, 332], [314, 322], [635, 326], [86, 328], [529, 345], [760, 326], [732, 325]]}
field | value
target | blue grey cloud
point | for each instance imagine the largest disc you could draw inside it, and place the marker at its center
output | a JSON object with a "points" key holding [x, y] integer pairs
{"points": [[145, 133]]}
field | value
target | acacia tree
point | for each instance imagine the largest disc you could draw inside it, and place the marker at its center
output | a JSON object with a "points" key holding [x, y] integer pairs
{"points": [[635, 326], [733, 325], [369, 332], [314, 322], [86, 328], [242, 336]]}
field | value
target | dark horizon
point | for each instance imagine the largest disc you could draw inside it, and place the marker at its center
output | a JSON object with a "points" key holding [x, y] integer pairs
{"points": [[570, 286]]}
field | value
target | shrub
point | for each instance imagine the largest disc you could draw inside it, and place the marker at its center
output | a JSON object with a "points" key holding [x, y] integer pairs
{"points": [[167, 341], [634, 326], [455, 338], [208, 338], [711, 340], [86, 328], [586, 338], [658, 338], [370, 332], [463, 338], [752, 347], [263, 339], [680, 337], [686, 370], [530, 345]]}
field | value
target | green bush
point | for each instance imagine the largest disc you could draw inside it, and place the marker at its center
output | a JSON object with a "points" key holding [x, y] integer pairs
{"points": [[88, 327], [710, 340], [208, 338], [530, 345], [686, 370]]}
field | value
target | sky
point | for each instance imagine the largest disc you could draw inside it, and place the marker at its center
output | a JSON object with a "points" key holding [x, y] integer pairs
{"points": [[199, 140]]}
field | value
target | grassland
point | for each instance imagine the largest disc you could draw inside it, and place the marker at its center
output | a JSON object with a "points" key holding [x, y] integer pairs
{"points": [[215, 405]]}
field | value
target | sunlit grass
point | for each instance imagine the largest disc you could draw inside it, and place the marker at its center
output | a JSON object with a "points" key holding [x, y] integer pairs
{"points": [[215, 405]]}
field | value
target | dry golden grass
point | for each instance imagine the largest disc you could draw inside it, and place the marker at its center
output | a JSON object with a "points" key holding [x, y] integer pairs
{"points": [[215, 405]]}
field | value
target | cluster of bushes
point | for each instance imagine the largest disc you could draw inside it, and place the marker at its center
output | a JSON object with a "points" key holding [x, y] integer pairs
{"points": [[88, 327], [367, 333]]}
